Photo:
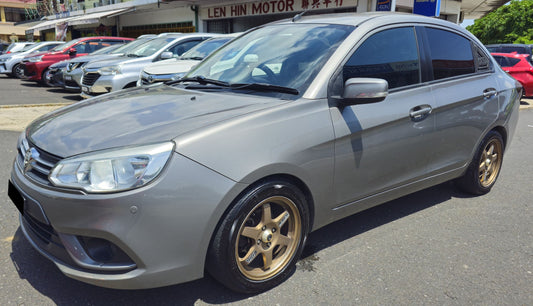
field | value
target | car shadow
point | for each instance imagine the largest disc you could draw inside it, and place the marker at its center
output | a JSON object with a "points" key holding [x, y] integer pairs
{"points": [[45, 277], [522, 102]]}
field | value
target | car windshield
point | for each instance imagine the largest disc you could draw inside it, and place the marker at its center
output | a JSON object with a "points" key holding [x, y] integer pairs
{"points": [[107, 50], [130, 46], [150, 47], [65, 45], [202, 50], [31, 46], [288, 56]]}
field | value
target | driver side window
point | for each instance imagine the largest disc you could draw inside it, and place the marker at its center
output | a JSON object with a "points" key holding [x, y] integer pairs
{"points": [[390, 54]]}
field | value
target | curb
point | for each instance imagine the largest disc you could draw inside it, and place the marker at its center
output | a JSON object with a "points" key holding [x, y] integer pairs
{"points": [[35, 105]]}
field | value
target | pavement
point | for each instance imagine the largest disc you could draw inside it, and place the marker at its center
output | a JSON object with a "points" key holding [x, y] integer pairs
{"points": [[17, 117]]}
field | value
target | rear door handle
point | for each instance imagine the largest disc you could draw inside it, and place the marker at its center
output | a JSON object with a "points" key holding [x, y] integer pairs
{"points": [[419, 113], [490, 92]]}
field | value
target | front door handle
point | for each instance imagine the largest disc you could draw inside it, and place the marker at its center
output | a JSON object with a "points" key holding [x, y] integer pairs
{"points": [[419, 113], [489, 92]]}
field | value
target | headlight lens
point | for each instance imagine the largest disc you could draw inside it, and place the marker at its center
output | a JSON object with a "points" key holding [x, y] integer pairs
{"points": [[110, 70], [112, 170], [35, 59], [5, 59]]}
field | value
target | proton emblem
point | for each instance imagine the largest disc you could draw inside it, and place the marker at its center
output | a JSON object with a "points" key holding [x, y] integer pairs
{"points": [[150, 78], [30, 159]]}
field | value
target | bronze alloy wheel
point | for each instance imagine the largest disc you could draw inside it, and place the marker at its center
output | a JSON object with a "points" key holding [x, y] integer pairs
{"points": [[268, 238], [490, 162]]}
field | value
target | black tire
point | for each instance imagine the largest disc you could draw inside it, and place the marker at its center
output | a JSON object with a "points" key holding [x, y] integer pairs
{"points": [[17, 71], [252, 251], [44, 81], [485, 166]]}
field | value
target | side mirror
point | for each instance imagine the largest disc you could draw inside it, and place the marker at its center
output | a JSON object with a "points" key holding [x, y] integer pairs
{"points": [[72, 52], [364, 91], [166, 55]]}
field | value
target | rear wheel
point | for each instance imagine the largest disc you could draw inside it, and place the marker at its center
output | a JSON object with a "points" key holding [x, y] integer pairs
{"points": [[261, 238], [485, 167]]}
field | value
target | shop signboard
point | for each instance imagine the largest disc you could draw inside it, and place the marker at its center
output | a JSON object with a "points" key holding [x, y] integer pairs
{"points": [[383, 5], [429, 8], [257, 8]]}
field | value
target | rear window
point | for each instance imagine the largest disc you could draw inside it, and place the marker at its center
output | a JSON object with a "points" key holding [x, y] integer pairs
{"points": [[504, 61]]}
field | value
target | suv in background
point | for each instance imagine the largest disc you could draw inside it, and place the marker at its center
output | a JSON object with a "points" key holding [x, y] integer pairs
{"points": [[510, 48], [105, 76], [35, 66], [10, 64]]}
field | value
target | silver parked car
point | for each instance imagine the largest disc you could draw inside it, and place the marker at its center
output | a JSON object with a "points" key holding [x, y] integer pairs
{"points": [[285, 129], [10, 63], [114, 74], [73, 73]]}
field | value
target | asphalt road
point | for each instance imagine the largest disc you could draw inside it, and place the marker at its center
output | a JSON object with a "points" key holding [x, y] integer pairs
{"points": [[438, 246]]}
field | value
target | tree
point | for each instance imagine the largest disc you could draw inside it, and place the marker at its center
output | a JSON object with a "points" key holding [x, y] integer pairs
{"points": [[508, 24]]}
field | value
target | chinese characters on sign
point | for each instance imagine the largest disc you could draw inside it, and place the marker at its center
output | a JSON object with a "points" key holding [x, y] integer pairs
{"points": [[273, 7]]}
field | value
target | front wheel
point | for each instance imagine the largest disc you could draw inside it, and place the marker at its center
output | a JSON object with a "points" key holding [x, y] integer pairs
{"points": [[18, 71], [485, 167], [259, 241]]}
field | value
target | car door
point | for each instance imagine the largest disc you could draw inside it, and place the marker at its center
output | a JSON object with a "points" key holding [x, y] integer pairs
{"points": [[384, 145], [466, 93]]}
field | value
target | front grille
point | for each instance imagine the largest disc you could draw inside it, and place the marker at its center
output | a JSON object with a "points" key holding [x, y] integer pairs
{"points": [[27, 72], [35, 162], [71, 84], [90, 78]]}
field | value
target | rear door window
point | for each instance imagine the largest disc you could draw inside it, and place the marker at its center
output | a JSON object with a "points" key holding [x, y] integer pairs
{"points": [[451, 54]]}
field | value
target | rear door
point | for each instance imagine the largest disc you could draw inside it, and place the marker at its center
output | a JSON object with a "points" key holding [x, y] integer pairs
{"points": [[466, 92]]}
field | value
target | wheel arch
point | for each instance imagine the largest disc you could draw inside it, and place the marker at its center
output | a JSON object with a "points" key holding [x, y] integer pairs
{"points": [[289, 178], [503, 132]]}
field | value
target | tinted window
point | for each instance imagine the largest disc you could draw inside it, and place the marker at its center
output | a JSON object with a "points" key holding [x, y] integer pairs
{"points": [[517, 49], [391, 55], [183, 47], [451, 54]]}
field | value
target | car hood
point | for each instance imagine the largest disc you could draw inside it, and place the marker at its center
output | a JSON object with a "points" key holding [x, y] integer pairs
{"points": [[124, 60], [170, 66], [136, 116]]}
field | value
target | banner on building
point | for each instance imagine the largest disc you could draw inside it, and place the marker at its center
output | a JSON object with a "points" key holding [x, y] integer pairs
{"points": [[61, 31], [257, 8], [429, 8], [29, 35]]}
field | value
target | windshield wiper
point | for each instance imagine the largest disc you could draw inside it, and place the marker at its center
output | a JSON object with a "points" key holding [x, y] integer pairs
{"points": [[133, 55], [265, 87], [200, 79]]}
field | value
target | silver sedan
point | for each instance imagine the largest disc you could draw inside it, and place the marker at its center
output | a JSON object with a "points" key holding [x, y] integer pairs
{"points": [[290, 127]]}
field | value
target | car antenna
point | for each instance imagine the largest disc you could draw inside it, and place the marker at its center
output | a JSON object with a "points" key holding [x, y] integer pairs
{"points": [[299, 16]]}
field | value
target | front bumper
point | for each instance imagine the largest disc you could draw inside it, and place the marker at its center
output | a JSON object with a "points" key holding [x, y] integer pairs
{"points": [[93, 83], [33, 70], [152, 236], [72, 79]]}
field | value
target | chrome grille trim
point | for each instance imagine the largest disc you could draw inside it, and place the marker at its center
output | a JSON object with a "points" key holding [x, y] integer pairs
{"points": [[42, 163]]}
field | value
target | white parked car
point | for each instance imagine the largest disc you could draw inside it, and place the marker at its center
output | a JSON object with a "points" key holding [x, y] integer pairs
{"points": [[175, 68], [10, 62]]}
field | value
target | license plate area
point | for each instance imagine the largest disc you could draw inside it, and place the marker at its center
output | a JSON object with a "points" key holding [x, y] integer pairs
{"points": [[16, 197]]}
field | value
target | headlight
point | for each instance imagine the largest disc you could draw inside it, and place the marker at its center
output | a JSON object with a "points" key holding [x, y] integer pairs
{"points": [[110, 70], [2, 60], [35, 59], [112, 170]]}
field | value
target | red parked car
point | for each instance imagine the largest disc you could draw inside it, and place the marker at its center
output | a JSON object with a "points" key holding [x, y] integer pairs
{"points": [[519, 67], [35, 65]]}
